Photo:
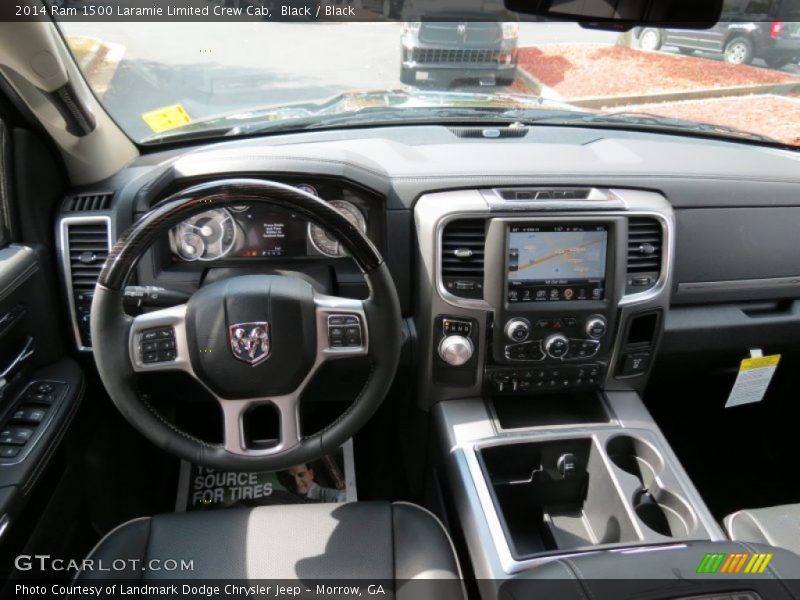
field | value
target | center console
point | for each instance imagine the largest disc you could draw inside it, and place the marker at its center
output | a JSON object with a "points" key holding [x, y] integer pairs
{"points": [[554, 297], [535, 291], [540, 311]]}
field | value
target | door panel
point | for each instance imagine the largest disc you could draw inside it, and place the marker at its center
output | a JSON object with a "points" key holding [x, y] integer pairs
{"points": [[40, 386]]}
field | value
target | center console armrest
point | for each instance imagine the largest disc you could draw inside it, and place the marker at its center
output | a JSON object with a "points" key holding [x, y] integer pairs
{"points": [[667, 572]]}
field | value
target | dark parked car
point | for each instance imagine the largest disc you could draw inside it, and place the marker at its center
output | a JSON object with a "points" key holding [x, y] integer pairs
{"points": [[776, 42], [438, 50]]}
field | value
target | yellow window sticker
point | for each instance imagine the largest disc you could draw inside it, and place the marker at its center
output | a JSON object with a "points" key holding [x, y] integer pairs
{"points": [[169, 117], [759, 362], [755, 375]]}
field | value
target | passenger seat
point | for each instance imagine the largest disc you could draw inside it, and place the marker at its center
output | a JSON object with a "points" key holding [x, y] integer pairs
{"points": [[774, 525]]}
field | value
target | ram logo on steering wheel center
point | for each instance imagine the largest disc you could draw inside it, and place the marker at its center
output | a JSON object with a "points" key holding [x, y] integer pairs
{"points": [[250, 342]]}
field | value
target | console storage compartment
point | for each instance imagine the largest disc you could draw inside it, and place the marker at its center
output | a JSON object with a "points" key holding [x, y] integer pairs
{"points": [[585, 491], [555, 495]]}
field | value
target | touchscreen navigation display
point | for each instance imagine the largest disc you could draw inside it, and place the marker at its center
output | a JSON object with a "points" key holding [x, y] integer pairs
{"points": [[556, 263]]}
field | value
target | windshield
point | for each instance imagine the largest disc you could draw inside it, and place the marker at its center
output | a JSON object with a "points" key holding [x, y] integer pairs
{"points": [[176, 80]]}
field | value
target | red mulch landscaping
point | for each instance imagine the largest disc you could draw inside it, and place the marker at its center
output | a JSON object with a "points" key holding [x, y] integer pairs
{"points": [[775, 117], [591, 70]]}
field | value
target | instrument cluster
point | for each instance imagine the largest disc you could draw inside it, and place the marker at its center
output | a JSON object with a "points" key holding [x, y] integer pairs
{"points": [[251, 232]]}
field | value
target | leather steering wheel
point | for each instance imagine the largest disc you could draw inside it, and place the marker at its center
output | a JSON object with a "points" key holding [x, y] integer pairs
{"points": [[249, 340]]}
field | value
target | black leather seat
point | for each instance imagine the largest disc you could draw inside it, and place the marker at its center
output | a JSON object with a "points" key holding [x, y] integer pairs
{"points": [[774, 525], [360, 540]]}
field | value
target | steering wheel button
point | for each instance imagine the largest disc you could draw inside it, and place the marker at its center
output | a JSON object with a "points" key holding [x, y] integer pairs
{"points": [[149, 335], [149, 346], [351, 331], [336, 320], [336, 332], [150, 357], [165, 355], [166, 345], [166, 333], [351, 320]]}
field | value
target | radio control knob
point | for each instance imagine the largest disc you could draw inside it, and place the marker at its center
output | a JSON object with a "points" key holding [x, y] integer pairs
{"points": [[456, 350], [556, 345], [596, 327], [518, 330]]}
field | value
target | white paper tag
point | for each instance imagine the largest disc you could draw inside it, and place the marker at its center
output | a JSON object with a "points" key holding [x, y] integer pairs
{"points": [[754, 376]]}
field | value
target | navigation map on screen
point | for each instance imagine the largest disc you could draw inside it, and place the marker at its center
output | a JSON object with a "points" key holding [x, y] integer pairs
{"points": [[557, 263]]}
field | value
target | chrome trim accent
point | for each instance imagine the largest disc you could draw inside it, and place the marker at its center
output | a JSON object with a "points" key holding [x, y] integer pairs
{"points": [[598, 199], [737, 285], [439, 261], [5, 521], [667, 252], [466, 426], [63, 251], [623, 202], [175, 317]]}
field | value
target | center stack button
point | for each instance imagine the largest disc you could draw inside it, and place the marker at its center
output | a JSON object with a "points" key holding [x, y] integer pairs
{"points": [[518, 330], [556, 345]]}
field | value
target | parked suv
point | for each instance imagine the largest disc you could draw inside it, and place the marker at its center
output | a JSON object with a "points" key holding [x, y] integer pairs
{"points": [[438, 50], [776, 42]]}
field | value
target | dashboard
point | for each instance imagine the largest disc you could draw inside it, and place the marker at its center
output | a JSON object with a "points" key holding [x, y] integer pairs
{"points": [[566, 258]]}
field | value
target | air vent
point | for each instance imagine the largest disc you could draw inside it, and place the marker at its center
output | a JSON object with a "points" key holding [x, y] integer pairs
{"points": [[489, 133], [90, 202], [645, 243], [463, 245], [86, 249], [545, 194]]}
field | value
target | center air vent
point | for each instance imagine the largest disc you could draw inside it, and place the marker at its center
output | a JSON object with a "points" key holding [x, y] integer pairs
{"points": [[463, 243], [86, 249], [645, 245], [89, 202], [545, 194]]}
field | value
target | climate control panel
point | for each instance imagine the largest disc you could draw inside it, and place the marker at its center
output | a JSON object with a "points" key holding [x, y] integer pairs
{"points": [[565, 338]]}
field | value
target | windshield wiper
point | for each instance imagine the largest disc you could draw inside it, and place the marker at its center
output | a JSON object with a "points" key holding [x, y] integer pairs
{"points": [[648, 121]]}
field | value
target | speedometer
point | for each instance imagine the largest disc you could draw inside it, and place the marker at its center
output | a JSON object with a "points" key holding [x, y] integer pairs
{"points": [[323, 241], [207, 236]]}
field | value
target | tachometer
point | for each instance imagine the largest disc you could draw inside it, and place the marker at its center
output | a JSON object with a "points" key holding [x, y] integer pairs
{"points": [[320, 238], [207, 236]]}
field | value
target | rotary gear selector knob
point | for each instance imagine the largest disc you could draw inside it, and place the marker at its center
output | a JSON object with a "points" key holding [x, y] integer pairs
{"points": [[456, 350], [556, 345]]}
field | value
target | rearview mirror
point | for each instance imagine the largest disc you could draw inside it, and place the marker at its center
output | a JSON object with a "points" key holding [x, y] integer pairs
{"points": [[624, 14]]}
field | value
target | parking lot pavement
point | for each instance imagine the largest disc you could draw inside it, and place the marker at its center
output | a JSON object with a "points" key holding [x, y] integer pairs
{"points": [[214, 69], [196, 64]]}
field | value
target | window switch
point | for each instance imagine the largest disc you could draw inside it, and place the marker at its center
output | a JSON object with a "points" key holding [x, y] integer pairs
{"points": [[15, 436], [32, 415], [8, 451]]}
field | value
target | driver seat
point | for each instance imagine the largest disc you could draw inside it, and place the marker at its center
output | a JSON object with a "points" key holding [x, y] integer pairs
{"points": [[358, 540]]}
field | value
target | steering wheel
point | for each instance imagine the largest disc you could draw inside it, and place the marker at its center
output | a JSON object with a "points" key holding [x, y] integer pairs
{"points": [[249, 340]]}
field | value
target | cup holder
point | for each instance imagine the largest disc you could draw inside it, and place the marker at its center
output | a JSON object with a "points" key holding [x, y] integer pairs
{"points": [[636, 457], [658, 508], [663, 512]]}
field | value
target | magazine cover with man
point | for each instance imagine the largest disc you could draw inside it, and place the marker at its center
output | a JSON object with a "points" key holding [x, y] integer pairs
{"points": [[328, 479]]}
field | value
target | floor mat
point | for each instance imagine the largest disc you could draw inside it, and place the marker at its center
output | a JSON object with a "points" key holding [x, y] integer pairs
{"points": [[332, 478]]}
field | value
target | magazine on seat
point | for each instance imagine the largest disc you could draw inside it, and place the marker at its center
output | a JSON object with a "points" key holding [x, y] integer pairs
{"points": [[331, 478]]}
